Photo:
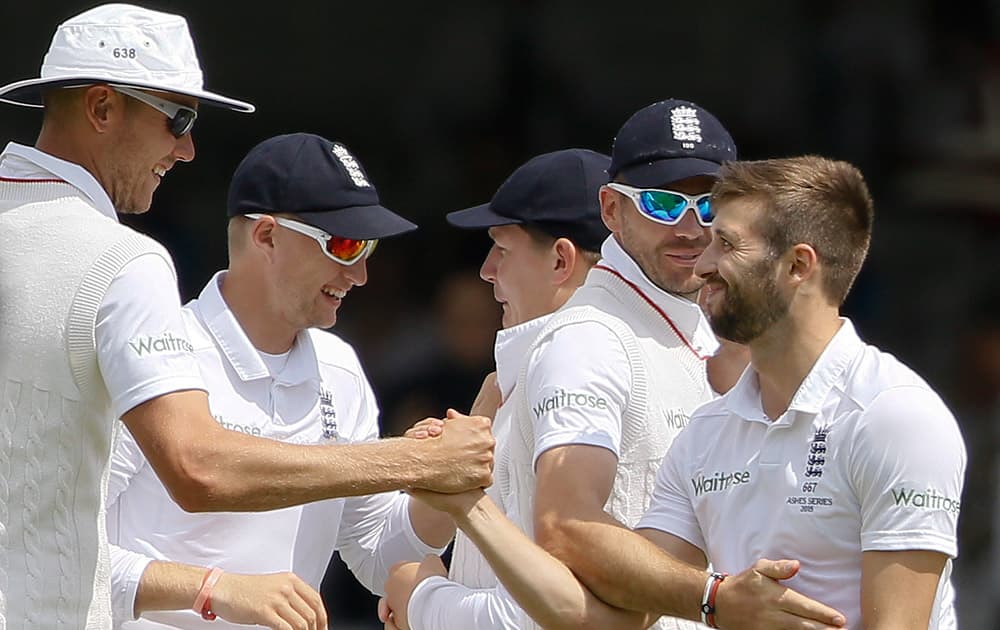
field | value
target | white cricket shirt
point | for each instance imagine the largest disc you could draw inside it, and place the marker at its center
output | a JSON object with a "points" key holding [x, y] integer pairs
{"points": [[867, 458], [319, 396], [142, 348], [577, 385]]}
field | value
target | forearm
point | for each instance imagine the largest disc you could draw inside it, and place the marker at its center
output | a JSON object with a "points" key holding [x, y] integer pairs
{"points": [[623, 568], [206, 467], [543, 586], [433, 527], [241, 473], [168, 586]]}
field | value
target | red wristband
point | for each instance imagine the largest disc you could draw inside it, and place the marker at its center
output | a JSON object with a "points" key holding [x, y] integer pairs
{"points": [[203, 602], [708, 599]]}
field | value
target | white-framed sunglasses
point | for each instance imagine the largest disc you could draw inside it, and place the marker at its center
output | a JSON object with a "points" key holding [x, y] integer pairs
{"points": [[180, 118], [667, 206], [345, 251]]}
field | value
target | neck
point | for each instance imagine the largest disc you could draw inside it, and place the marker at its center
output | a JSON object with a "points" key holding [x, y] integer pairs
{"points": [[242, 292], [62, 142], [783, 356]]}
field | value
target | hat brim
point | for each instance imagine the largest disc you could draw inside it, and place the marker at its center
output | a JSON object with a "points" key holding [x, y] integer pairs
{"points": [[662, 172], [360, 222], [28, 92], [478, 218]]}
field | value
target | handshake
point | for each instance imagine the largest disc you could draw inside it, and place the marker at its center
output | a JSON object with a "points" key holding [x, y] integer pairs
{"points": [[457, 453]]}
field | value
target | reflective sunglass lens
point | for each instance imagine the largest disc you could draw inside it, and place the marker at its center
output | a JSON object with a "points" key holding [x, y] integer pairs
{"points": [[705, 209], [662, 205], [182, 122], [345, 249]]}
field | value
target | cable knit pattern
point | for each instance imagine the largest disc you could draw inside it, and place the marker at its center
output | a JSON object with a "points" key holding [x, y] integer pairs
{"points": [[58, 256], [69, 578], [668, 382], [11, 397], [33, 451]]}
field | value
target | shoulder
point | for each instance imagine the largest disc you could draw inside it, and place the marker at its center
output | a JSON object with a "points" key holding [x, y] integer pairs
{"points": [[334, 353], [579, 344], [584, 323], [874, 372], [878, 382], [714, 410], [894, 402], [709, 417]]}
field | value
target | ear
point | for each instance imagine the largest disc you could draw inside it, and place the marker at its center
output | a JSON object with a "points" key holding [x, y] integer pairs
{"points": [[611, 208], [262, 235], [103, 107], [804, 263], [565, 260]]}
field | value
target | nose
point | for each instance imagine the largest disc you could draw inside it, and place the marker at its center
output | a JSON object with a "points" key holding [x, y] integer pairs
{"points": [[707, 263], [688, 227], [184, 148], [488, 271], [358, 272]]}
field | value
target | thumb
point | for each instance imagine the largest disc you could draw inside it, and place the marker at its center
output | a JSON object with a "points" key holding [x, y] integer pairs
{"points": [[452, 414], [383, 610], [777, 569]]}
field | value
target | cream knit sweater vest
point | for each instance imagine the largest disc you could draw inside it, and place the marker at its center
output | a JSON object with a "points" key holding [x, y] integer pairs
{"points": [[668, 382], [58, 256]]}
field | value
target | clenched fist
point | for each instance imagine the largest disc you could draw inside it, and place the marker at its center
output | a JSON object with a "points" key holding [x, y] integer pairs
{"points": [[460, 457]]}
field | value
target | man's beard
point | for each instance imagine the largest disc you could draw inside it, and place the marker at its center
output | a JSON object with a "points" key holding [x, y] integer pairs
{"points": [[748, 312]]}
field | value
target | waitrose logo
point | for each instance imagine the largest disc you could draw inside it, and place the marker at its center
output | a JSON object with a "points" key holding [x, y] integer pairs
{"points": [[719, 481], [164, 343], [563, 398], [926, 500]]}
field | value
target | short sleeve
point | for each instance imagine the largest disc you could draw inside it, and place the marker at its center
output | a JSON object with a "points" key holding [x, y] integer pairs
{"points": [[670, 508], [577, 386], [143, 348], [907, 467]]}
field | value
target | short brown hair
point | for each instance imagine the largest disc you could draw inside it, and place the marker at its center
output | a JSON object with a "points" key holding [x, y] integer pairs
{"points": [[813, 200]]}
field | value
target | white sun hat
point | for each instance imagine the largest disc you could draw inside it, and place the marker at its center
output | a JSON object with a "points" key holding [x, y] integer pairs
{"points": [[125, 45]]}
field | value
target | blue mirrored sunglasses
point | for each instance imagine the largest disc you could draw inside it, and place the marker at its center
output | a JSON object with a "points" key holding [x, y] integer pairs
{"points": [[667, 206]]}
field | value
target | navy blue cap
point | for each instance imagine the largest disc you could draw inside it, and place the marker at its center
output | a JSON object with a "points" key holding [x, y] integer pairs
{"points": [[555, 192], [669, 141], [318, 181]]}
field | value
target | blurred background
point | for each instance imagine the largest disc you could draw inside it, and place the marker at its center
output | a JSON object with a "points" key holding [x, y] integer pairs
{"points": [[442, 100]]}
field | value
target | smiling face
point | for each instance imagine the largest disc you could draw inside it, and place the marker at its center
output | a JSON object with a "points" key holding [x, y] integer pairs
{"points": [[308, 287], [142, 151], [517, 267], [741, 298], [666, 254]]}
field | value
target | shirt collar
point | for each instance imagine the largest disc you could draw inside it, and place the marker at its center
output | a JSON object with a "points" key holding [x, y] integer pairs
{"points": [[244, 358], [24, 162], [686, 315], [744, 399], [510, 349]]}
